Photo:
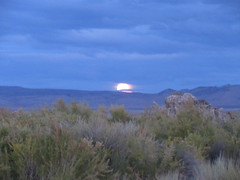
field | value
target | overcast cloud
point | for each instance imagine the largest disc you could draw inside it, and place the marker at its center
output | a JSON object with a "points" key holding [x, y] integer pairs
{"points": [[93, 44]]}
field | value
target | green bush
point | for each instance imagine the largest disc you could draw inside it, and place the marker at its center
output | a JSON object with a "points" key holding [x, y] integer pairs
{"points": [[53, 156], [72, 141], [119, 114]]}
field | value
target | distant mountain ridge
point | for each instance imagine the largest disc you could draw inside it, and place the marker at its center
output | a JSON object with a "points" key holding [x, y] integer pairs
{"points": [[13, 97]]}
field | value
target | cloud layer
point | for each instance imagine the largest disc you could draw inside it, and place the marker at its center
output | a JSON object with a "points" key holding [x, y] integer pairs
{"points": [[93, 44]]}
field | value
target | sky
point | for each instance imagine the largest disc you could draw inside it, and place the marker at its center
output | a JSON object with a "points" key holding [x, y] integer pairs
{"points": [[94, 44]]}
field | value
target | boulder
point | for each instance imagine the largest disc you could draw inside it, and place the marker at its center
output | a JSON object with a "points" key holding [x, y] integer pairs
{"points": [[185, 102]]}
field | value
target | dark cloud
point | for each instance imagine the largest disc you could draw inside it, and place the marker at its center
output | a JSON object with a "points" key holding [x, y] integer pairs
{"points": [[145, 42]]}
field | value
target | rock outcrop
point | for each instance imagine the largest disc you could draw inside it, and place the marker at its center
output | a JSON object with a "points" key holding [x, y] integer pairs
{"points": [[183, 102]]}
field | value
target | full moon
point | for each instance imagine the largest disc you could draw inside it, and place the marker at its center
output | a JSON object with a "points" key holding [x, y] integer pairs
{"points": [[124, 87]]}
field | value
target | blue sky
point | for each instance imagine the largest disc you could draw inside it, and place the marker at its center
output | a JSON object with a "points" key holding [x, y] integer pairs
{"points": [[93, 44]]}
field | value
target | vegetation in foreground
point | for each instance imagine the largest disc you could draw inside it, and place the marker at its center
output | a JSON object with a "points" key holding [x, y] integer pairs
{"points": [[71, 141]]}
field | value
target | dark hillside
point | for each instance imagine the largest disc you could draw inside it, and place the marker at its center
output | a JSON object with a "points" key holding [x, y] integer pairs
{"points": [[17, 97]]}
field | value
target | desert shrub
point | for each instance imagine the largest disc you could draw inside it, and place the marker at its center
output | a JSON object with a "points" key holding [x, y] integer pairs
{"points": [[168, 161], [72, 141], [60, 105], [113, 136], [143, 155], [119, 114], [83, 111], [186, 123], [155, 122], [102, 112], [164, 127], [168, 176], [53, 156], [5, 116], [131, 152], [232, 129], [189, 166], [72, 111], [222, 169]]}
